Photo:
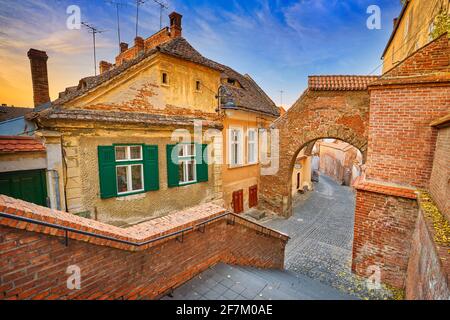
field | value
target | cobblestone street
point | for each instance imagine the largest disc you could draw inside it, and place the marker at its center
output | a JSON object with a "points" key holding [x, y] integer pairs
{"points": [[321, 231]]}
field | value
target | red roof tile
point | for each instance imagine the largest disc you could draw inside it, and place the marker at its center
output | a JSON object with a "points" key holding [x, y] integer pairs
{"points": [[12, 144], [340, 83]]}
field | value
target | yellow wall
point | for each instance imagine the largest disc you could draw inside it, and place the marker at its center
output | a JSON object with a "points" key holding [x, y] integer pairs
{"points": [[245, 176], [140, 89], [413, 31], [305, 173]]}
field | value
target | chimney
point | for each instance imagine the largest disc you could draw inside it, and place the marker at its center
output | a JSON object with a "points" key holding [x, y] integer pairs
{"points": [[395, 21], [123, 47], [175, 24], [38, 62], [139, 44], [105, 66]]}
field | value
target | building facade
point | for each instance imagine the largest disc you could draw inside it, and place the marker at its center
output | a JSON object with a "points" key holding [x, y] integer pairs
{"points": [[413, 29]]}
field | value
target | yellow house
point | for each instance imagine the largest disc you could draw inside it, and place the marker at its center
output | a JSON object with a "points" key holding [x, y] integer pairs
{"points": [[247, 111], [301, 175], [412, 29]]}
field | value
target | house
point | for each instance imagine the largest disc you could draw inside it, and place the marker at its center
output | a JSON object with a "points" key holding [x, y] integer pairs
{"points": [[412, 29], [248, 112], [302, 173], [13, 122], [339, 160], [144, 137]]}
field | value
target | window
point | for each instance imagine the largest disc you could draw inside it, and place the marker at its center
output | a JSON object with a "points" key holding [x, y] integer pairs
{"points": [[198, 85], [235, 146], [252, 146], [187, 164], [127, 169], [164, 78]]}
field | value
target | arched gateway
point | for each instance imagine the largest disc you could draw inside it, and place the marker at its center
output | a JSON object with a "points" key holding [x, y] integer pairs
{"points": [[331, 107]]}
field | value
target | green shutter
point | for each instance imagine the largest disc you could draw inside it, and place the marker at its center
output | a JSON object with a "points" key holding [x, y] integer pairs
{"points": [[151, 172], [173, 178], [107, 172], [202, 163]]}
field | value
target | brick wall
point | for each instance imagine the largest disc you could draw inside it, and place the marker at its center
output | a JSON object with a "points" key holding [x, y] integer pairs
{"points": [[427, 275], [383, 230], [34, 260], [401, 140], [440, 175]]}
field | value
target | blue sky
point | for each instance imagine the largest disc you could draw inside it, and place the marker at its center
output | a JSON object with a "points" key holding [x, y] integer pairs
{"points": [[279, 43]]}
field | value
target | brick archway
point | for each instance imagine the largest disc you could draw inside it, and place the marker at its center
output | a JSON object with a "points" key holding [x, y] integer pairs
{"points": [[338, 113]]}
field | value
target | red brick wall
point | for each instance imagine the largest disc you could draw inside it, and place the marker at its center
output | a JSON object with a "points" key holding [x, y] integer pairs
{"points": [[383, 231], [33, 265], [34, 259], [440, 175], [428, 276], [401, 141]]}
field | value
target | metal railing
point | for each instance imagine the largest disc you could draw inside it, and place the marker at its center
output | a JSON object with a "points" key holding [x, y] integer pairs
{"points": [[178, 234]]}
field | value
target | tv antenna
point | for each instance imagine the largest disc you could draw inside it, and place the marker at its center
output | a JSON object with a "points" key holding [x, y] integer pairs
{"points": [[93, 30], [162, 6], [138, 4], [118, 4]]}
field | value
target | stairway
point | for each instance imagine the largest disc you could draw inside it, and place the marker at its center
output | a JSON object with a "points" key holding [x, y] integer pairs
{"points": [[226, 282]]}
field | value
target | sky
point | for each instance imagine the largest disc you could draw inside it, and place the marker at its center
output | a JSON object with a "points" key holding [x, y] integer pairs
{"points": [[279, 43]]}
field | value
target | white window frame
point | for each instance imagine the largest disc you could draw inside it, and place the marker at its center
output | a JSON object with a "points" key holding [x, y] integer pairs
{"points": [[128, 153], [255, 143], [130, 179], [184, 160], [240, 148]]}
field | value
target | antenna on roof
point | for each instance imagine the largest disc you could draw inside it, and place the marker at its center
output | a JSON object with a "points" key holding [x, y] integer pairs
{"points": [[281, 98], [94, 31], [138, 4], [118, 4], [162, 6]]}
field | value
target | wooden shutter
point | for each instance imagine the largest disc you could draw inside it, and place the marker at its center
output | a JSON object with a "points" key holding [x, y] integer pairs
{"points": [[238, 201], [107, 172], [202, 163], [173, 175], [253, 196], [151, 170]]}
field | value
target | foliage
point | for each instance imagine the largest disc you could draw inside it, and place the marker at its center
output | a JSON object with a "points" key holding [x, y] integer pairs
{"points": [[441, 25], [440, 223]]}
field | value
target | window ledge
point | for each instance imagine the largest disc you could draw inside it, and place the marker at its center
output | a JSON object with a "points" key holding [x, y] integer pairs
{"points": [[242, 165]]}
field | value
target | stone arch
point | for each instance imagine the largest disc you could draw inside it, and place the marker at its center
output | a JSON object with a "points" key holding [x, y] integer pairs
{"points": [[342, 115]]}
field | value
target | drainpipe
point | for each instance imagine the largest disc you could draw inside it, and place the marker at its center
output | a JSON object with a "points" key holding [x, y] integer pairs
{"points": [[56, 186]]}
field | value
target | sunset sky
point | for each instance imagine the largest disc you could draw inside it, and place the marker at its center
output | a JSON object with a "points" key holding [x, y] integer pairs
{"points": [[279, 43]]}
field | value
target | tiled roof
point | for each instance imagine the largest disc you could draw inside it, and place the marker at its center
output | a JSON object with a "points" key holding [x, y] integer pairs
{"points": [[7, 113], [250, 97], [12, 144], [340, 83], [57, 113]]}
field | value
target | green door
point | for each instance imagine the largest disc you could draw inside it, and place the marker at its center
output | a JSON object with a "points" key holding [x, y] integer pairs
{"points": [[26, 185]]}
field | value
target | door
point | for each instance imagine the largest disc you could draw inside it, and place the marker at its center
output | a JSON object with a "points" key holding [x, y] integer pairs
{"points": [[238, 201], [28, 185], [253, 196], [298, 180]]}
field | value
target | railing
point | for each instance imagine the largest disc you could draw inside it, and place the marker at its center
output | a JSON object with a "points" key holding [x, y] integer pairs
{"points": [[178, 234]]}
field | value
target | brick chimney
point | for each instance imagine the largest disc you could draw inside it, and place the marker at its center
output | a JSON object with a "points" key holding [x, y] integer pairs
{"points": [[105, 66], [123, 47], [38, 62], [175, 24], [139, 44], [394, 22]]}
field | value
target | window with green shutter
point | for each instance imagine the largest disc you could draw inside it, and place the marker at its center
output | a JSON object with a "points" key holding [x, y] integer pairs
{"points": [[127, 169], [186, 164]]}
